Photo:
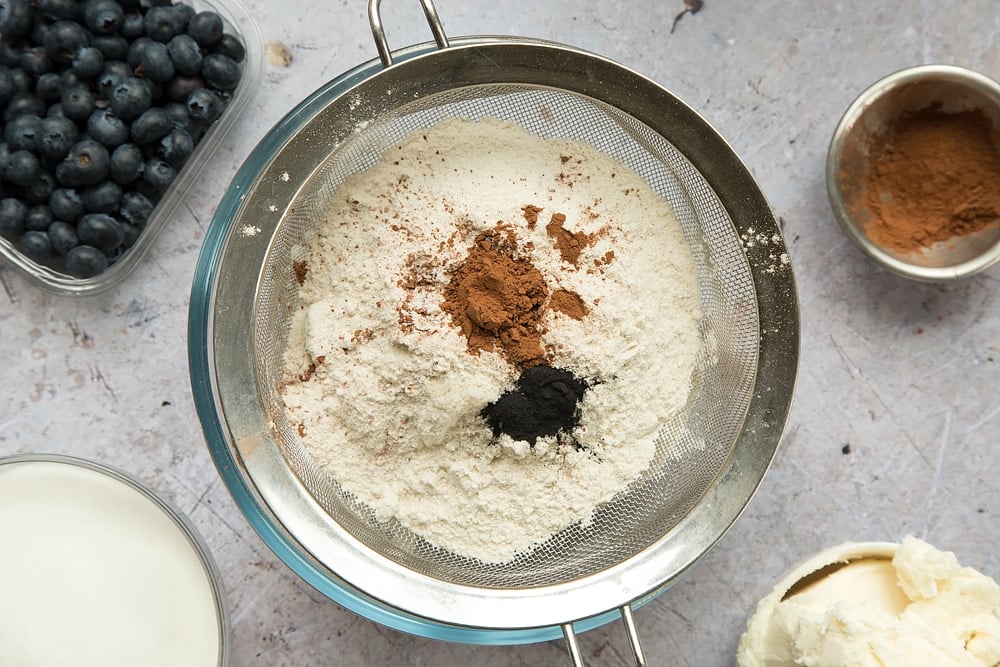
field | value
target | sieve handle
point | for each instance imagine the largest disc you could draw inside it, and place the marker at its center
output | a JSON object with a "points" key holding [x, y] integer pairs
{"points": [[378, 32], [633, 639]]}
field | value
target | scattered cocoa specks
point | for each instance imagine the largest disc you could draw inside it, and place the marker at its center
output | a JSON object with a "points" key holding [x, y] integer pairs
{"points": [[690, 7], [300, 269], [362, 336], [301, 429], [278, 54], [531, 214]]}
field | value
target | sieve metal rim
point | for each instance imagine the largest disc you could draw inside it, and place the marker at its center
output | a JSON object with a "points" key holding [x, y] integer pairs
{"points": [[222, 355]]}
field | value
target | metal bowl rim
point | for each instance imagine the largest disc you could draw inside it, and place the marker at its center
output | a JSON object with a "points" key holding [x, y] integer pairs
{"points": [[775, 377], [853, 115]]}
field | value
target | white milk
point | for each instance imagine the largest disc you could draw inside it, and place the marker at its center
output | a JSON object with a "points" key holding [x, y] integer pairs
{"points": [[95, 573]]}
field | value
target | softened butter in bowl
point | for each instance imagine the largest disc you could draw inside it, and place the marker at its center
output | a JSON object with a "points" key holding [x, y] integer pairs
{"points": [[877, 604]]}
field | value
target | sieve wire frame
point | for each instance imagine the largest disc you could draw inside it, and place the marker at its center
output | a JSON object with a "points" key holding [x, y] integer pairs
{"points": [[223, 299]]}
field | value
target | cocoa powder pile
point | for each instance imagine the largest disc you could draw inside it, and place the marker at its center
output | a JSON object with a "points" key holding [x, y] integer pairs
{"points": [[933, 176], [498, 298]]}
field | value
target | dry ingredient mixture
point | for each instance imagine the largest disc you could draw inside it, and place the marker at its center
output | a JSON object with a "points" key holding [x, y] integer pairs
{"points": [[934, 176], [492, 329]]}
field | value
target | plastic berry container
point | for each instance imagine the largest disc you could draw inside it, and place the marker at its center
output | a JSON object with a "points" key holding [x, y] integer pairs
{"points": [[51, 276]]}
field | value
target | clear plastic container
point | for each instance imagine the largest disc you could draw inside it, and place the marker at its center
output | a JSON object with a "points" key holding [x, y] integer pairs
{"points": [[239, 23]]}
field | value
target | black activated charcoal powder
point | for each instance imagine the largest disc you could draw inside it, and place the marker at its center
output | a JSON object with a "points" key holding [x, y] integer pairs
{"points": [[543, 402]]}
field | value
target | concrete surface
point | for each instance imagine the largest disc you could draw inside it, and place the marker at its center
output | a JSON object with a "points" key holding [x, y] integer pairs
{"points": [[896, 419]]}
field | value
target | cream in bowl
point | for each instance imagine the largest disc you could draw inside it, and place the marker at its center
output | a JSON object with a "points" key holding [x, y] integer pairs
{"points": [[99, 572]]}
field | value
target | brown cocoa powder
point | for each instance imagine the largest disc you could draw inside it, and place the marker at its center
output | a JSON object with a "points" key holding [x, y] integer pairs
{"points": [[568, 303], [570, 245], [497, 299], [933, 176]]}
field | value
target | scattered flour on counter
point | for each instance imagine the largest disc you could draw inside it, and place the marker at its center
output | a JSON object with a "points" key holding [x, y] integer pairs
{"points": [[382, 386]]}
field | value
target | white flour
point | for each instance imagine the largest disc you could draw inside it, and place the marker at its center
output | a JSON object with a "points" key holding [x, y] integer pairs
{"points": [[392, 412]]}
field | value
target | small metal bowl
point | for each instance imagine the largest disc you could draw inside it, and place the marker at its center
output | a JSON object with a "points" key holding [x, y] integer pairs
{"points": [[954, 89]]}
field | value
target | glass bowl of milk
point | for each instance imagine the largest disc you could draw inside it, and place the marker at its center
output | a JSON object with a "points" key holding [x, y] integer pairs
{"points": [[101, 571]]}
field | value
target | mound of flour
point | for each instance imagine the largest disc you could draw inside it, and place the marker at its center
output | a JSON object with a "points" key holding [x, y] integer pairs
{"points": [[381, 384]]}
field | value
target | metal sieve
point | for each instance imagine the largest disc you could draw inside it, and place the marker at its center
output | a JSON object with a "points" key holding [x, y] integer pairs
{"points": [[710, 458]]}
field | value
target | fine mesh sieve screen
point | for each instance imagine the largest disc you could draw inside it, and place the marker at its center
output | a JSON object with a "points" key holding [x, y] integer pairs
{"points": [[691, 447]]}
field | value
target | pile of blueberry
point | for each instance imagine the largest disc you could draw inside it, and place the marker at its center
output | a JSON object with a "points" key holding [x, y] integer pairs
{"points": [[103, 102]]}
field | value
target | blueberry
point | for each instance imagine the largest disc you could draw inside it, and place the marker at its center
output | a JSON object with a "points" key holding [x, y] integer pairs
{"points": [[112, 47], [185, 54], [126, 163], [176, 147], [220, 72], [206, 28], [232, 47], [204, 105], [23, 104], [71, 79], [15, 19], [58, 9], [48, 87], [22, 133], [133, 27], [10, 53], [131, 98], [23, 82], [35, 61], [178, 114], [12, 214], [39, 26], [35, 244], [135, 209], [162, 23], [38, 218], [84, 261], [77, 104], [88, 62], [135, 49], [6, 85], [132, 234], [65, 38], [106, 127], [158, 173], [103, 17], [114, 72], [100, 230], [56, 137], [62, 237], [186, 12], [87, 163], [22, 168], [101, 198], [155, 62], [179, 87], [66, 204], [40, 189], [152, 125]]}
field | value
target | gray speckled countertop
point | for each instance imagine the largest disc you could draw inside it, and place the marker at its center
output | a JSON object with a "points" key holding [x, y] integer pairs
{"points": [[895, 425]]}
